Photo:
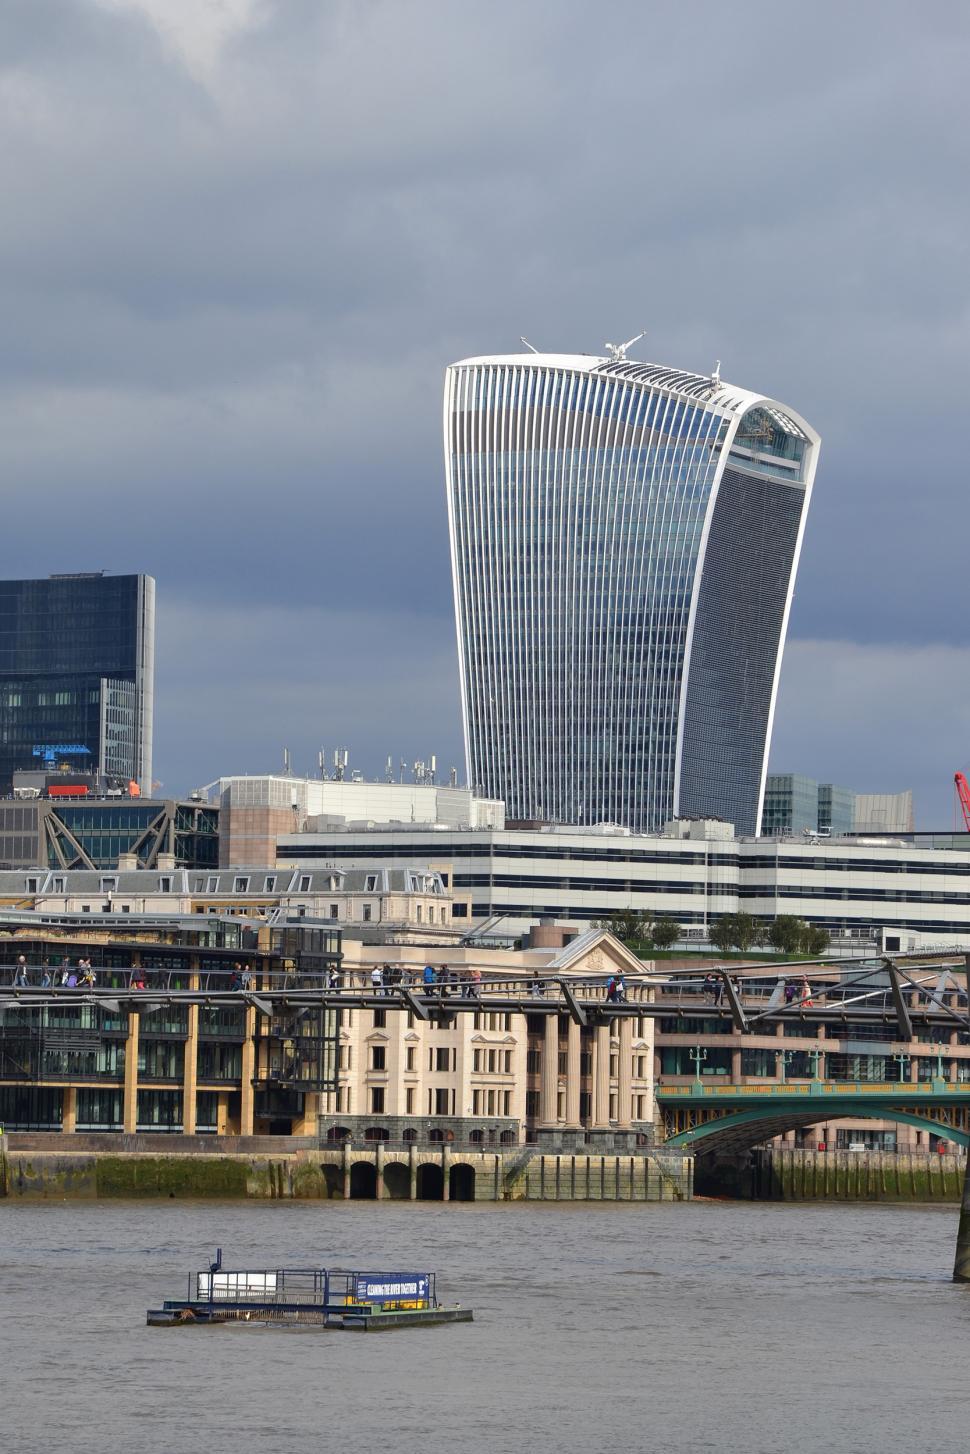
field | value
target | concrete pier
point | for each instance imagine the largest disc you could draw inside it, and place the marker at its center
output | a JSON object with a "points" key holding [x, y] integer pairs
{"points": [[805, 1174]]}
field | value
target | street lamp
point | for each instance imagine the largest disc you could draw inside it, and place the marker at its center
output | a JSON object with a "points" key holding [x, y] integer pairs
{"points": [[698, 1056]]}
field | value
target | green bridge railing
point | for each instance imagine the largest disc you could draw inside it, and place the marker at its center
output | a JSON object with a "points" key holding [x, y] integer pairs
{"points": [[837, 1089]]}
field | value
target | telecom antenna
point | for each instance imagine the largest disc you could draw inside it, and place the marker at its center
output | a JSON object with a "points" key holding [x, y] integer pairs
{"points": [[617, 351]]}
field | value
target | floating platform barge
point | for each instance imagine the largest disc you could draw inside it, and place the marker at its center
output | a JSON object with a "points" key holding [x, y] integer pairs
{"points": [[337, 1298]]}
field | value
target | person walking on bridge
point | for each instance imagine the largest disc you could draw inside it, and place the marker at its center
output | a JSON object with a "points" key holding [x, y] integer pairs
{"points": [[428, 979]]}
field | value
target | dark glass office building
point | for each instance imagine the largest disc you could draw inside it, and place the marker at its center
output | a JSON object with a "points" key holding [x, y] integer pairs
{"points": [[77, 659]]}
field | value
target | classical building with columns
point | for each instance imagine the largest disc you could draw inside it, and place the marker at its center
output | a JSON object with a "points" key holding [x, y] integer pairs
{"points": [[495, 1077]]}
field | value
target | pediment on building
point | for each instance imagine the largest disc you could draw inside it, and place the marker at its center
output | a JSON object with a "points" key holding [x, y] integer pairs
{"points": [[412, 1035], [377, 1035], [599, 952]]}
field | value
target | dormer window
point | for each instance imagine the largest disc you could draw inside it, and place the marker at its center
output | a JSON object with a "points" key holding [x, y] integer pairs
{"points": [[240, 885], [305, 883]]}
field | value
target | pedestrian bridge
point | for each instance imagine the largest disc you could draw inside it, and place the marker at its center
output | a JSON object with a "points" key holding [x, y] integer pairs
{"points": [[707, 1118]]}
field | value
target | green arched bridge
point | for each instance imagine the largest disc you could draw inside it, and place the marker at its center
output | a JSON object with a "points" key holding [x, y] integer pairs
{"points": [[737, 1117]]}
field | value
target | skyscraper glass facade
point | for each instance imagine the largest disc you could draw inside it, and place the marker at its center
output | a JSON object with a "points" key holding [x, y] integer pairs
{"points": [[606, 675], [77, 670], [791, 804], [836, 809]]}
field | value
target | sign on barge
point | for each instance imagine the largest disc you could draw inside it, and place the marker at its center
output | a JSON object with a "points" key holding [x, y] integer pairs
{"points": [[323, 1297]]}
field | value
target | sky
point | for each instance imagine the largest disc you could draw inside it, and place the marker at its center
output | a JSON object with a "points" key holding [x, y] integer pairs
{"points": [[242, 239]]}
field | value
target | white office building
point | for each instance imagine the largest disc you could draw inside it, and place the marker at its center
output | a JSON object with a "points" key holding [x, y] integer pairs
{"points": [[899, 893]]}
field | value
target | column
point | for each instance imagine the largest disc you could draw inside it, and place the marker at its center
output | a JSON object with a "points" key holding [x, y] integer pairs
{"points": [[573, 1041], [222, 1113], [379, 1169], [961, 1264], [601, 1077], [308, 1125], [190, 1072], [624, 1082], [130, 1097], [247, 1097], [549, 1092], [69, 1112]]}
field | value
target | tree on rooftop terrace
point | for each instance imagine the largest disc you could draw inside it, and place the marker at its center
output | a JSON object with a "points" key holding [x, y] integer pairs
{"points": [[721, 934], [735, 931], [815, 939], [787, 933], [665, 933], [631, 926]]}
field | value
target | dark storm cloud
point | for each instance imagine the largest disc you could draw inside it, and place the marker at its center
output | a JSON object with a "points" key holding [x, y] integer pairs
{"points": [[230, 278]]}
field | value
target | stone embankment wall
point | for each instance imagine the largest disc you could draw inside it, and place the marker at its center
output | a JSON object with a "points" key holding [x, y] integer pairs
{"points": [[793, 1175], [36, 1167]]}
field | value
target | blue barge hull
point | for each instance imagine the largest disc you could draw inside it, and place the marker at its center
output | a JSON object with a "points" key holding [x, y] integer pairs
{"points": [[356, 1320]]}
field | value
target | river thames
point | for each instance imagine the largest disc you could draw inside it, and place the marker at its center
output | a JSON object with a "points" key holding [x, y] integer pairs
{"points": [[712, 1325]]}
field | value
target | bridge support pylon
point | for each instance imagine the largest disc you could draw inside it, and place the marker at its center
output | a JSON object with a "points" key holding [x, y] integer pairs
{"points": [[961, 1263]]}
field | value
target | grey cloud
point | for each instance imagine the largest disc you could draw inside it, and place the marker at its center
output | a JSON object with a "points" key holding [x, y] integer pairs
{"points": [[877, 718], [228, 297], [305, 679]]}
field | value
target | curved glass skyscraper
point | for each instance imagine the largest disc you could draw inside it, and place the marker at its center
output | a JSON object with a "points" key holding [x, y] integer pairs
{"points": [[624, 540]]}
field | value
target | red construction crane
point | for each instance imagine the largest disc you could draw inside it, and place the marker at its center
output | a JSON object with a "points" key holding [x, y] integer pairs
{"points": [[963, 793]]}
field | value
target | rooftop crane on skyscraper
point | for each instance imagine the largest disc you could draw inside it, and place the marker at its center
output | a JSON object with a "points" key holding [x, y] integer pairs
{"points": [[963, 793]]}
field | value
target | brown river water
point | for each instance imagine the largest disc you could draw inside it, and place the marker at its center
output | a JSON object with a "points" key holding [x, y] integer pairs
{"points": [[706, 1326]]}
